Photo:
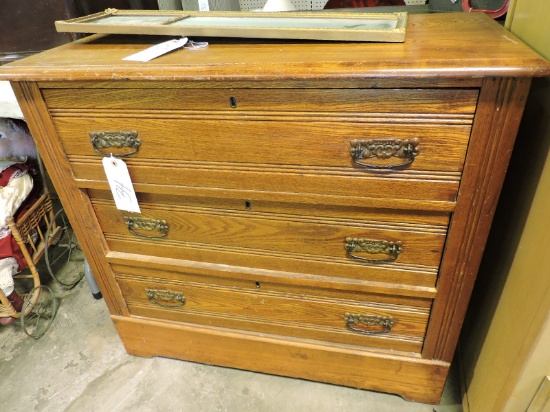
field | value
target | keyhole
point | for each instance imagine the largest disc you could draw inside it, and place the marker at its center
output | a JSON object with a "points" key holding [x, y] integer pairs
{"points": [[233, 102], [247, 205], [258, 285]]}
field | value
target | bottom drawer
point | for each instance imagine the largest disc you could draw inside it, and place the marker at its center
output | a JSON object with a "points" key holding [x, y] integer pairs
{"points": [[298, 314]]}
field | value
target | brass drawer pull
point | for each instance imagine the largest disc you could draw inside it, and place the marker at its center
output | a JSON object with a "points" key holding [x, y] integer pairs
{"points": [[117, 140], [374, 247], [368, 324], [149, 225], [165, 298], [384, 149]]}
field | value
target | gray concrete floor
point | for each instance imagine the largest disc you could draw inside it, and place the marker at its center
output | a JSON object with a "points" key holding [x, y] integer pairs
{"points": [[81, 365]]}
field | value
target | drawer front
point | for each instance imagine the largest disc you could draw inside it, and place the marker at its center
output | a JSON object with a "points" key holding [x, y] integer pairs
{"points": [[450, 101], [165, 177], [365, 147], [356, 241], [297, 314]]}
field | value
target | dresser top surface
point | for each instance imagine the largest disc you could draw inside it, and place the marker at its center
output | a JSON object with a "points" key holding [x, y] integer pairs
{"points": [[451, 45]]}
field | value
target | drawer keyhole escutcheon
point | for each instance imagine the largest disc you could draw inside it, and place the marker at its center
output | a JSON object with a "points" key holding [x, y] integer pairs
{"points": [[136, 225], [382, 151], [233, 102], [127, 140], [368, 324], [373, 247], [165, 298]]}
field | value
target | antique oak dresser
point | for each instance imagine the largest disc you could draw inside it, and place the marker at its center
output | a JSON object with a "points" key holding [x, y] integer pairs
{"points": [[309, 209]]}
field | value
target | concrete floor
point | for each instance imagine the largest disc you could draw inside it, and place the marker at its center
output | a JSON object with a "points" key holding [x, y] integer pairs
{"points": [[81, 365]]}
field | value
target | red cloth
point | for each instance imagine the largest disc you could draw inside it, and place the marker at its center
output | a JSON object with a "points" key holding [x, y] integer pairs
{"points": [[345, 4], [8, 245]]}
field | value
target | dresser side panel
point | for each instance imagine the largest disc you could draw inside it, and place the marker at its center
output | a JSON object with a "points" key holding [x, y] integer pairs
{"points": [[76, 205], [497, 120]]}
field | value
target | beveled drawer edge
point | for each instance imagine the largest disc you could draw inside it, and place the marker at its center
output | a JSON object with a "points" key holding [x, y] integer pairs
{"points": [[424, 228], [348, 83], [307, 198], [394, 340], [343, 259], [450, 176], [276, 294], [184, 266], [298, 116]]}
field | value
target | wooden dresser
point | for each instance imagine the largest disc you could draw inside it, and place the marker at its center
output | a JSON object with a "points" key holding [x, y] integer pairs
{"points": [[309, 209]]}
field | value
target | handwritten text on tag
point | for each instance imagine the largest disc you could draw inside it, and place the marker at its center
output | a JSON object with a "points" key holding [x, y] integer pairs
{"points": [[121, 184]]}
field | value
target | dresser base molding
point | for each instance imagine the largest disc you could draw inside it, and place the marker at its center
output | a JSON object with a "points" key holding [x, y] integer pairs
{"points": [[412, 378]]}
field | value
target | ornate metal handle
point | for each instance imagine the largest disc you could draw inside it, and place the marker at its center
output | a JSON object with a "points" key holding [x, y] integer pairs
{"points": [[375, 247], [165, 298], [384, 149], [150, 225], [116, 139], [363, 323]]}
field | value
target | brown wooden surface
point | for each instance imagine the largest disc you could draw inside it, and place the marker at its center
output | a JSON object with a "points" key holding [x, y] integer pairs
{"points": [[298, 314], [268, 139], [341, 211], [343, 365], [306, 235], [171, 269], [454, 101], [297, 202], [476, 205], [76, 205], [320, 181], [438, 45], [405, 276], [322, 201]]}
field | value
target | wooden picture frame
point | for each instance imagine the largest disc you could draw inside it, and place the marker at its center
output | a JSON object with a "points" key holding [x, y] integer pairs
{"points": [[360, 27]]}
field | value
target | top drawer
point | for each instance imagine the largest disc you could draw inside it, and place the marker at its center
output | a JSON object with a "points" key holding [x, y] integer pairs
{"points": [[400, 101]]}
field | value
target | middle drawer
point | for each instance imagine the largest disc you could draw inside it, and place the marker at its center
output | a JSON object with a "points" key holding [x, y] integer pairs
{"points": [[370, 248], [369, 241]]}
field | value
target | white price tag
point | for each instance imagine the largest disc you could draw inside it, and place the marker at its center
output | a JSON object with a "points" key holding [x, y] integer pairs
{"points": [[157, 50], [121, 184]]}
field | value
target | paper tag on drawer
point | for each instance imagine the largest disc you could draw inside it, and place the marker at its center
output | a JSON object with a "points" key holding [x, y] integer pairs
{"points": [[121, 184]]}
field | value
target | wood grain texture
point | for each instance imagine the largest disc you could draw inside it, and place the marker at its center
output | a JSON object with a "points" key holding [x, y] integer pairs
{"points": [[258, 193], [75, 204], [451, 101], [500, 109], [416, 379], [299, 314], [276, 141], [428, 186], [243, 277], [341, 211], [321, 201], [432, 50], [307, 235], [405, 276], [333, 83]]}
